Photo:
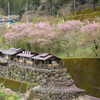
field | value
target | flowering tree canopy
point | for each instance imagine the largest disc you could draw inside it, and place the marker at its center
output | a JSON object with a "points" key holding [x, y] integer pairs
{"points": [[45, 26], [44, 33], [70, 25], [65, 36], [91, 29], [18, 31], [41, 34]]}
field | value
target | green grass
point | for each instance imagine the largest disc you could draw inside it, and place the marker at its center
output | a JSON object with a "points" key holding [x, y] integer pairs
{"points": [[5, 96], [79, 53], [68, 76]]}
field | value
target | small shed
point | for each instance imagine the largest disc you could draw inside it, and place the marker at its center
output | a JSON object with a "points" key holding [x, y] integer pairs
{"points": [[26, 57], [46, 59], [11, 53]]}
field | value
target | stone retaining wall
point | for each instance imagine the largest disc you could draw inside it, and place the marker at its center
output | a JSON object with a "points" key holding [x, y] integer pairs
{"points": [[51, 84], [25, 73], [40, 93]]}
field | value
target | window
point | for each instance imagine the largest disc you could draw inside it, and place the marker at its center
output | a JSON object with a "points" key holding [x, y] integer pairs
{"points": [[53, 62], [50, 62], [36, 62], [30, 59], [21, 58], [47, 62]]}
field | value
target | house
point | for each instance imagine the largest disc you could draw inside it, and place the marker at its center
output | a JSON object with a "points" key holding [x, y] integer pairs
{"points": [[30, 58], [11, 53], [26, 57], [46, 59]]}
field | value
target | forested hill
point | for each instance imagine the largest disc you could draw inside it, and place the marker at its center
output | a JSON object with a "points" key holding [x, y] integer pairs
{"points": [[17, 6]]}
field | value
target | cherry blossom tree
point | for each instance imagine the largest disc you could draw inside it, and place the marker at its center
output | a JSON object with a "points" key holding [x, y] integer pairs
{"points": [[45, 26], [70, 31], [40, 35], [17, 32], [44, 35], [92, 35]]}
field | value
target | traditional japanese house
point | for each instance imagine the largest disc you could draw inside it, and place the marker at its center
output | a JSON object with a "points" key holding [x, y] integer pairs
{"points": [[26, 57], [46, 59], [11, 53]]}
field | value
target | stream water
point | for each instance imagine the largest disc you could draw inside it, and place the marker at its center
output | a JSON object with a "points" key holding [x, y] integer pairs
{"points": [[86, 74]]}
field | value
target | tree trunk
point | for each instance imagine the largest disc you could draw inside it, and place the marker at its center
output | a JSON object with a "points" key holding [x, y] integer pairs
{"points": [[50, 3], [49, 50], [94, 6], [96, 47], [36, 47], [75, 7]]}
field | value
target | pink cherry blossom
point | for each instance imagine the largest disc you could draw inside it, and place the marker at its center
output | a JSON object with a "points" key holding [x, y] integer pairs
{"points": [[70, 25], [18, 31], [91, 28], [46, 26]]}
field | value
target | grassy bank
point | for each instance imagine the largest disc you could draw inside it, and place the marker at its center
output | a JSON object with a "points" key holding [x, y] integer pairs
{"points": [[7, 94]]}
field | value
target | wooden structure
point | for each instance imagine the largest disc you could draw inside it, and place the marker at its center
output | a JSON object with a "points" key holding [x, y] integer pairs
{"points": [[46, 60], [11, 53], [29, 58], [26, 57]]}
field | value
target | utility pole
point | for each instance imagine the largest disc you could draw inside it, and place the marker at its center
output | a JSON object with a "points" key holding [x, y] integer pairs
{"points": [[75, 7]]}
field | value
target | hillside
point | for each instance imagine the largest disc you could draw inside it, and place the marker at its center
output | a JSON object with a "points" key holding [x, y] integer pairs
{"points": [[67, 11], [54, 7]]}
